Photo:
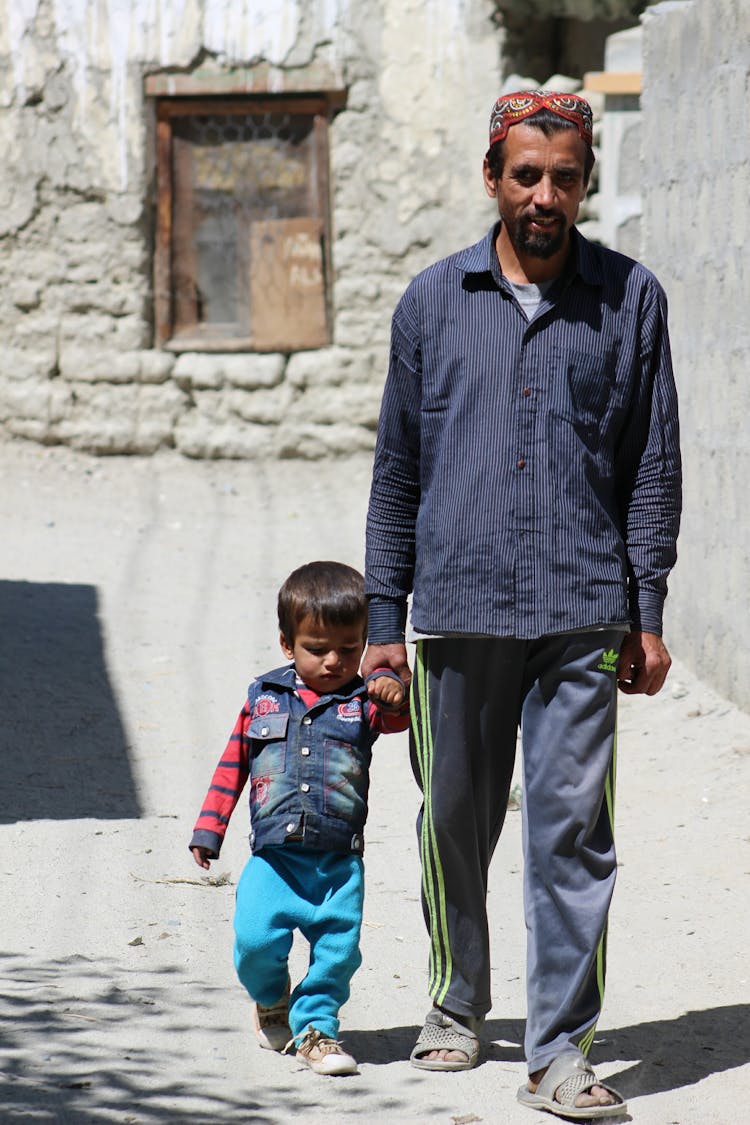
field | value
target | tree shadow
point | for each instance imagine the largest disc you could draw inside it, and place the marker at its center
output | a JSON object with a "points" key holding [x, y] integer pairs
{"points": [[85, 1042], [62, 741], [89, 1041]]}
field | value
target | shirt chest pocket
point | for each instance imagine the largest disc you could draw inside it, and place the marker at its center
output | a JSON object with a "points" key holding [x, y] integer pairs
{"points": [[581, 384], [267, 734]]}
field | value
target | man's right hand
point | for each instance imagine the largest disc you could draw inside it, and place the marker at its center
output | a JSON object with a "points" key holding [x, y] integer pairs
{"points": [[387, 656]]}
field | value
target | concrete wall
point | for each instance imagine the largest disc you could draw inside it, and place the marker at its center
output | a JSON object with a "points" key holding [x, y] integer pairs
{"points": [[77, 361], [696, 186], [620, 177]]}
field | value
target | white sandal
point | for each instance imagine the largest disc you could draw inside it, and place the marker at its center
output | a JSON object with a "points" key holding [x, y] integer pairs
{"points": [[442, 1032], [565, 1078]]}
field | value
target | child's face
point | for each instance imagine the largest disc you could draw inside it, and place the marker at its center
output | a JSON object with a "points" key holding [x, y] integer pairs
{"points": [[326, 656]]}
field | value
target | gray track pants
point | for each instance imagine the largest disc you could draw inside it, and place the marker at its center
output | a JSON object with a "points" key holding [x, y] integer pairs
{"points": [[468, 698]]}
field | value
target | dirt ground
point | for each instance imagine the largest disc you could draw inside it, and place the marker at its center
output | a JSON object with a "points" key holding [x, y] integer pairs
{"points": [[137, 599]]}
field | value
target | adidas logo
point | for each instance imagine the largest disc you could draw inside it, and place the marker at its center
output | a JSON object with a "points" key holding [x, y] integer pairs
{"points": [[608, 661]]}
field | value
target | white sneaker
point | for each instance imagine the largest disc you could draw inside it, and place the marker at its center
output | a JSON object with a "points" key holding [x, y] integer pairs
{"points": [[272, 1023], [325, 1056]]}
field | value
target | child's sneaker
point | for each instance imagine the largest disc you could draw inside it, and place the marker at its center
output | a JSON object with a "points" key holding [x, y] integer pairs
{"points": [[272, 1024], [325, 1056]]}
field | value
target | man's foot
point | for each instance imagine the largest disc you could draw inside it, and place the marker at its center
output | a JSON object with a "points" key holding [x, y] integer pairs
{"points": [[324, 1055], [594, 1095], [447, 1042], [568, 1088], [272, 1023]]}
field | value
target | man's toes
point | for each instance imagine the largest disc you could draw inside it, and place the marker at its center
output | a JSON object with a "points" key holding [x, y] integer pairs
{"points": [[596, 1095], [447, 1056]]}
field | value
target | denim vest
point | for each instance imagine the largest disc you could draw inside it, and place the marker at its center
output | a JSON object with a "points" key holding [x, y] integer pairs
{"points": [[309, 766]]}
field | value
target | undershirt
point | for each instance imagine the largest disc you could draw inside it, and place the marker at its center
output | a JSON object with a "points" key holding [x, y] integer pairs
{"points": [[529, 295]]}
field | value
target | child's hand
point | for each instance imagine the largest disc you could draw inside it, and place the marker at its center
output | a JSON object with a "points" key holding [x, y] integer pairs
{"points": [[202, 857], [386, 692]]}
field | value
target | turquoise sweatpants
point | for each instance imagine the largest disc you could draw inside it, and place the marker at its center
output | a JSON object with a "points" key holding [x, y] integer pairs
{"points": [[321, 894]]}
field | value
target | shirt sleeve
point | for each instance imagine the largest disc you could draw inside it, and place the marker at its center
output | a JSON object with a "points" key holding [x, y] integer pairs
{"points": [[387, 722], [649, 472], [395, 491], [225, 789]]}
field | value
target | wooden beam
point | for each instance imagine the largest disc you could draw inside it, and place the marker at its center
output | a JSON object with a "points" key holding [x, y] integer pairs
{"points": [[163, 248], [613, 82]]}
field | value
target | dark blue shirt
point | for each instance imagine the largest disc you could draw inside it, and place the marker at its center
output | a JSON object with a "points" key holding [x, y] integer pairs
{"points": [[527, 473]]}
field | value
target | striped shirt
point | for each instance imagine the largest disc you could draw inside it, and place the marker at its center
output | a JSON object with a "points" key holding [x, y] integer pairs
{"points": [[527, 472]]}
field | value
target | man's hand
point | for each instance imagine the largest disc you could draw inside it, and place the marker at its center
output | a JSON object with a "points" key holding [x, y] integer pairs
{"points": [[643, 664], [387, 656], [202, 856]]}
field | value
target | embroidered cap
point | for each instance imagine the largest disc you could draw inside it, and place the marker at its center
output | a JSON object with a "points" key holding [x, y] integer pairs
{"points": [[509, 109]]}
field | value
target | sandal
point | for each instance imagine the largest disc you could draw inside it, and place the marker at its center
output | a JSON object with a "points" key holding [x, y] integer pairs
{"points": [[565, 1078], [442, 1032]]}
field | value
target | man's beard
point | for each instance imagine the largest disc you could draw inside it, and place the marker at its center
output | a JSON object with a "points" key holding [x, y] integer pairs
{"points": [[538, 244]]}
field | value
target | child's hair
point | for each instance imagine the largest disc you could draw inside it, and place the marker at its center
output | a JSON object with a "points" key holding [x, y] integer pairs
{"points": [[331, 593]]}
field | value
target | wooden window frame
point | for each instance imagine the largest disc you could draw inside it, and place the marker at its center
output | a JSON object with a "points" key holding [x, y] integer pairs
{"points": [[168, 109]]}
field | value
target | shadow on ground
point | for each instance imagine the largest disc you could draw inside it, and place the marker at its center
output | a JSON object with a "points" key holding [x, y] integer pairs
{"points": [[673, 1053], [88, 1041], [62, 741], [678, 1052]]}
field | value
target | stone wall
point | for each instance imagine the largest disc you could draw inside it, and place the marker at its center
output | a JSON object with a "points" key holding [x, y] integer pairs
{"points": [[696, 184], [78, 363]]}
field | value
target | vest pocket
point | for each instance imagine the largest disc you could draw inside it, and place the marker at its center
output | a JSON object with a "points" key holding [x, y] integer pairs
{"points": [[346, 779], [267, 735]]}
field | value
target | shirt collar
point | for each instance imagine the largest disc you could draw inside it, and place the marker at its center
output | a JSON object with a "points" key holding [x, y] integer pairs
{"points": [[286, 677], [481, 257]]}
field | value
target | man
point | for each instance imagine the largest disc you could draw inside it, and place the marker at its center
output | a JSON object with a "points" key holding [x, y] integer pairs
{"points": [[526, 492]]}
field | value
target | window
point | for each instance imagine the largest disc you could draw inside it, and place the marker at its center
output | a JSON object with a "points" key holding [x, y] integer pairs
{"points": [[242, 259]]}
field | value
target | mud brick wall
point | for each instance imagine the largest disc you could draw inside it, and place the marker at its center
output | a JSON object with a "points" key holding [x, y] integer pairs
{"points": [[78, 362]]}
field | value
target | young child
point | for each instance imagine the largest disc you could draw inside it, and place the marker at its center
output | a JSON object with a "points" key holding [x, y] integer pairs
{"points": [[304, 738]]}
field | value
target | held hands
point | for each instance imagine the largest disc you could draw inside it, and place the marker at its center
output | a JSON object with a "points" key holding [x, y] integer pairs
{"points": [[643, 664], [383, 690], [387, 656], [387, 693]]}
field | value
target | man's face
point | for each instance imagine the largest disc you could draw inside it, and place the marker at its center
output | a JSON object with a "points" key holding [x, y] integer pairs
{"points": [[541, 188]]}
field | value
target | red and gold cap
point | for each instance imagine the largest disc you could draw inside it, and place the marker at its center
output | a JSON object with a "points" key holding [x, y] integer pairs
{"points": [[509, 109]]}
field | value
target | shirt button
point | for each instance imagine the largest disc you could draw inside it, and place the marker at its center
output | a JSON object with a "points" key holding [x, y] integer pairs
{"points": [[526, 392], [291, 827], [521, 464], [306, 721], [305, 751], [264, 731], [305, 787]]}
